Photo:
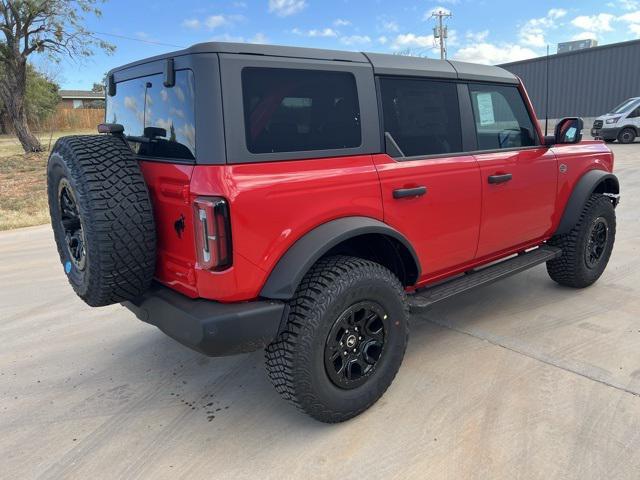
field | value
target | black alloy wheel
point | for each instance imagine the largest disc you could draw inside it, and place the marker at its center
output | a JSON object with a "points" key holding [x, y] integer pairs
{"points": [[597, 242], [355, 344], [71, 225]]}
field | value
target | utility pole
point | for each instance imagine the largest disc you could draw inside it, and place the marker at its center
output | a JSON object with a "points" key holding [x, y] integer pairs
{"points": [[440, 31]]}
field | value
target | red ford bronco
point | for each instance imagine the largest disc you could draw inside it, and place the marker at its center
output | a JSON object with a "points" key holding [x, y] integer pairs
{"points": [[304, 201]]}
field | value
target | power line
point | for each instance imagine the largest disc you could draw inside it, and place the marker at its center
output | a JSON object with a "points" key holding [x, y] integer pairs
{"points": [[151, 42]]}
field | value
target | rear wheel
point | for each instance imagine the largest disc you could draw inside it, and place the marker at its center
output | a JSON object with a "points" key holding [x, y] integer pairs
{"points": [[587, 247], [627, 135], [344, 339]]}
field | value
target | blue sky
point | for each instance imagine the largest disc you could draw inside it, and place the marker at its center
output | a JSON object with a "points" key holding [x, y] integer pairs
{"points": [[479, 31]]}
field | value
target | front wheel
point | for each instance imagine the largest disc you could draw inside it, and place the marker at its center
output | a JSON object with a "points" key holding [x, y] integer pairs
{"points": [[344, 339], [627, 135], [587, 247]]}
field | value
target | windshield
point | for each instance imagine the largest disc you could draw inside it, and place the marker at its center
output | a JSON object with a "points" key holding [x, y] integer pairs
{"points": [[625, 106], [158, 121]]}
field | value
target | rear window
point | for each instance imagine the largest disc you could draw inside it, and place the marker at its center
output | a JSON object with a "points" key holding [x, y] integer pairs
{"points": [[289, 110], [159, 121]]}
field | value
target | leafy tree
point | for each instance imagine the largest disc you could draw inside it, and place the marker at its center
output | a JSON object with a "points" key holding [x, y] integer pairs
{"points": [[51, 27], [41, 96]]}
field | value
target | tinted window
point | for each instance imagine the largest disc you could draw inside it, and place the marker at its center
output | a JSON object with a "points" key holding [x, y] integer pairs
{"points": [[502, 120], [297, 110], [162, 117], [422, 116]]}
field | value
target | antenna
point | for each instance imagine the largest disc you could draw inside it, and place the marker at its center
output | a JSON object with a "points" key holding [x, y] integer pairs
{"points": [[546, 107], [440, 32]]}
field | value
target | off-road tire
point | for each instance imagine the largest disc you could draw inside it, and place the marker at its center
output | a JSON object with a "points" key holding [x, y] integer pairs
{"points": [[115, 213], [295, 360], [627, 135], [571, 269]]}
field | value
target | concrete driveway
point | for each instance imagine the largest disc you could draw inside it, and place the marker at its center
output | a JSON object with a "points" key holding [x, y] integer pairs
{"points": [[522, 379]]}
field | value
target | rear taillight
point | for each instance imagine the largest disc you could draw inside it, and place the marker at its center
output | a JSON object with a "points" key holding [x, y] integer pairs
{"points": [[213, 233]]}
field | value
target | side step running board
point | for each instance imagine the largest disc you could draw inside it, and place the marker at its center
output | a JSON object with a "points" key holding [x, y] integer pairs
{"points": [[424, 298]]}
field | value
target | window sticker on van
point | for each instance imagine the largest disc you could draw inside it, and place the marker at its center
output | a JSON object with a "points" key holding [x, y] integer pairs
{"points": [[485, 108]]}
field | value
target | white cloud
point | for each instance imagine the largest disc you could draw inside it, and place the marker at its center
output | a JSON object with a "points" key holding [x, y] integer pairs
{"points": [[595, 23], [411, 40], [177, 112], [532, 33], [284, 8], [355, 40], [340, 22], [585, 36], [633, 17], [163, 123], [130, 103], [212, 21], [491, 54], [215, 21], [315, 32], [429, 13], [383, 40], [477, 37], [192, 23], [389, 26], [627, 5], [556, 13], [225, 37], [179, 93], [164, 95], [259, 38]]}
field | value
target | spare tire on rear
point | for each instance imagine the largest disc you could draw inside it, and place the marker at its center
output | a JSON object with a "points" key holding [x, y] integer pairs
{"points": [[102, 218]]}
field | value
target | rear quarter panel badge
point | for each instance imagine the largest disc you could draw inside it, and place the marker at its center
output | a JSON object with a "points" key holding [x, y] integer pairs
{"points": [[563, 168]]}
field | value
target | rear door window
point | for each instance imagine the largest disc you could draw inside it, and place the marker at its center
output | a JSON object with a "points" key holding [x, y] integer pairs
{"points": [[158, 121], [288, 110], [422, 116], [501, 117]]}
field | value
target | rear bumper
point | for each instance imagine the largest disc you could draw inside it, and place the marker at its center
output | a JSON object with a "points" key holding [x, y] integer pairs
{"points": [[605, 133], [212, 328]]}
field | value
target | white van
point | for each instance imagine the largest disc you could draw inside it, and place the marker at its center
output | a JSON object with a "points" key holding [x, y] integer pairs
{"points": [[622, 123]]}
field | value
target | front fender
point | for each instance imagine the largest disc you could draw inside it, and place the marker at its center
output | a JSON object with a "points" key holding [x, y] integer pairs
{"points": [[590, 182], [306, 251]]}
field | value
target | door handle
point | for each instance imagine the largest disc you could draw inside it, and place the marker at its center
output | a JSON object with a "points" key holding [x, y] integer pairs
{"points": [[409, 192], [502, 178]]}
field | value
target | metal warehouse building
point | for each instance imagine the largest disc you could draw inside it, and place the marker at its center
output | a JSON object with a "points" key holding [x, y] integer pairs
{"points": [[585, 83]]}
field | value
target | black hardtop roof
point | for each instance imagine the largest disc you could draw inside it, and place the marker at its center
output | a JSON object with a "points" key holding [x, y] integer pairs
{"points": [[383, 64]]}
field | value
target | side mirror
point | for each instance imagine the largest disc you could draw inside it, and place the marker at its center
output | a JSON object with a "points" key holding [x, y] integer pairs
{"points": [[568, 131]]}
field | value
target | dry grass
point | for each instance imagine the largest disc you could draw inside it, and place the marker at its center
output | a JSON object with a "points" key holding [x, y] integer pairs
{"points": [[23, 188]]}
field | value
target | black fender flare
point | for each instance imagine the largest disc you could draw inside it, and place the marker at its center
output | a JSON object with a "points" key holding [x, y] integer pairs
{"points": [[587, 184], [307, 250]]}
